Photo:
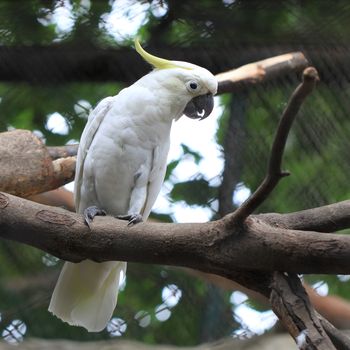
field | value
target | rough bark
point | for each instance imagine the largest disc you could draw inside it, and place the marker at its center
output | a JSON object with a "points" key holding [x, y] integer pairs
{"points": [[293, 308], [211, 247], [333, 308], [27, 167]]}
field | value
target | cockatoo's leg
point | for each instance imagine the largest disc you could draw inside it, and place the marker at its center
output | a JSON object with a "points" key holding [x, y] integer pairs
{"points": [[91, 212], [132, 218]]}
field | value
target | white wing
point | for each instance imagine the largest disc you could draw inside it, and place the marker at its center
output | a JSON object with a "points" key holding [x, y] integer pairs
{"points": [[86, 293], [95, 119]]}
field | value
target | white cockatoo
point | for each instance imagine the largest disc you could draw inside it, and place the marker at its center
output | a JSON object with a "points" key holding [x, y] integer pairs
{"points": [[120, 168]]}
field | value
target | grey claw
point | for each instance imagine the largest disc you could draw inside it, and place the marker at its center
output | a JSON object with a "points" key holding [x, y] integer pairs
{"points": [[91, 212], [132, 218], [135, 219]]}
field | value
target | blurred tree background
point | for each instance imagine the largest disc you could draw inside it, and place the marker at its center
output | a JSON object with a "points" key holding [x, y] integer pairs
{"points": [[58, 58]]}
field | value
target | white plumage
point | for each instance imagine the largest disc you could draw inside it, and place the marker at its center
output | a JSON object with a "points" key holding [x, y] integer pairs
{"points": [[120, 168]]}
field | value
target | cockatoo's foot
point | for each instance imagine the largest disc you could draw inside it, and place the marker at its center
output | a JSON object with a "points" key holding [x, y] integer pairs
{"points": [[132, 218], [91, 212]]}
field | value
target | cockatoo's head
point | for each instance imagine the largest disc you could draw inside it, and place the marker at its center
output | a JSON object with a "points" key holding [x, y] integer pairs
{"points": [[194, 83]]}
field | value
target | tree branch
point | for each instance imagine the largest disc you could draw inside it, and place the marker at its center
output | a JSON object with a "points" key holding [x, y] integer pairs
{"points": [[328, 218], [59, 197], [274, 171], [234, 81], [209, 247], [339, 339], [253, 73], [56, 152], [27, 167], [292, 306]]}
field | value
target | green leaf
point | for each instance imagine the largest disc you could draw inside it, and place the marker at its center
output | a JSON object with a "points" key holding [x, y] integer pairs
{"points": [[193, 192], [186, 150], [171, 166], [161, 217]]}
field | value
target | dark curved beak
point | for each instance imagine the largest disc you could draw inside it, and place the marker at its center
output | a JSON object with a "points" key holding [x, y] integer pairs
{"points": [[199, 107]]}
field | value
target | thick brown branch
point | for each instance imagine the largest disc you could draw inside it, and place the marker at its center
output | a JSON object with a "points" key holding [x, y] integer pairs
{"points": [[291, 304], [209, 247], [27, 167], [328, 218], [274, 171]]}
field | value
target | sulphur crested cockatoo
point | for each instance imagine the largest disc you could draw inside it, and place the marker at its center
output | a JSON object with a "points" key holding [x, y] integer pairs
{"points": [[120, 168]]}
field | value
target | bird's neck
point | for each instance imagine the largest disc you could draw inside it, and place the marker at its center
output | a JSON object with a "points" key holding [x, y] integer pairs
{"points": [[170, 102]]}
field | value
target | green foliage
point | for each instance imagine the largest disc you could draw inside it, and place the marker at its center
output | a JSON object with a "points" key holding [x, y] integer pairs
{"points": [[224, 120], [28, 107], [187, 151], [193, 192], [316, 150], [170, 168], [161, 217]]}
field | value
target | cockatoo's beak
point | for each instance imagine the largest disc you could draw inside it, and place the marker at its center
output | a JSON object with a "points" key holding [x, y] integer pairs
{"points": [[200, 107]]}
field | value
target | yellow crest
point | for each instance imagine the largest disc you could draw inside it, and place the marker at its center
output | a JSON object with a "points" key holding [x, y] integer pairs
{"points": [[157, 62]]}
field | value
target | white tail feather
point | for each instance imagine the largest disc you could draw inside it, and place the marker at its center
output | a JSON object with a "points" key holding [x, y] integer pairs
{"points": [[86, 293]]}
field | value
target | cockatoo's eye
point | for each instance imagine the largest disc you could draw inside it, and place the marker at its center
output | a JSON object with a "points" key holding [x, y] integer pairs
{"points": [[192, 86]]}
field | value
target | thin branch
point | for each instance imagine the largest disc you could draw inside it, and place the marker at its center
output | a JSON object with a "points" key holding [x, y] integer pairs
{"points": [[254, 73], [340, 340], [328, 218], [59, 197], [63, 172], [274, 171], [237, 81], [56, 152], [292, 306]]}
